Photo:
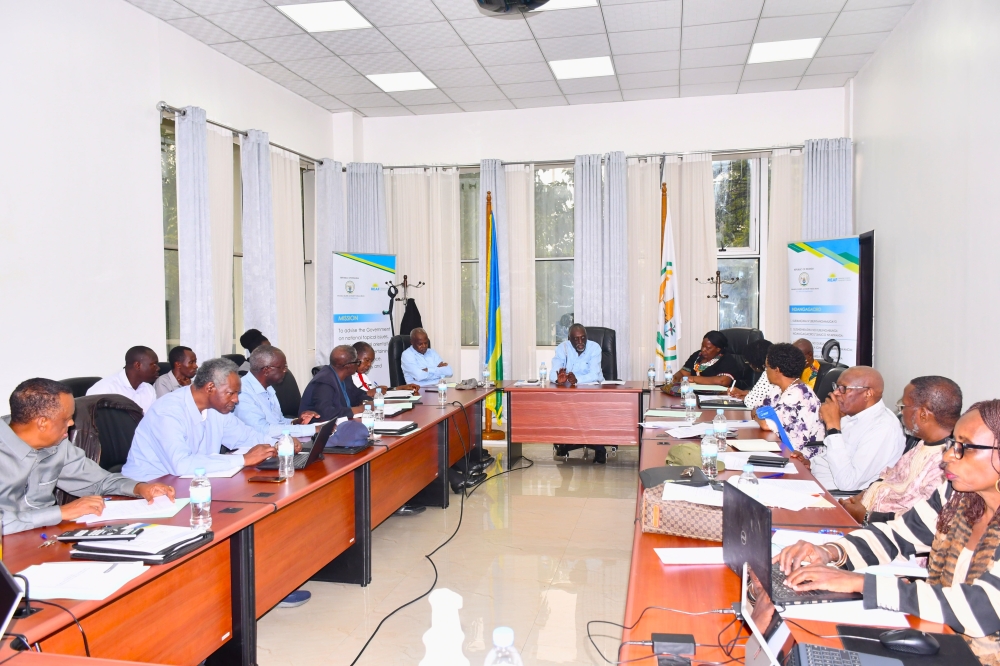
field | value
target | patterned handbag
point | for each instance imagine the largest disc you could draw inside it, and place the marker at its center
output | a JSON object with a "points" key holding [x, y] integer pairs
{"points": [[696, 521]]}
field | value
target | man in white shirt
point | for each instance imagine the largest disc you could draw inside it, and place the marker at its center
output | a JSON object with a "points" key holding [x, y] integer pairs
{"points": [[422, 365], [258, 406], [862, 436], [183, 366], [135, 382]]}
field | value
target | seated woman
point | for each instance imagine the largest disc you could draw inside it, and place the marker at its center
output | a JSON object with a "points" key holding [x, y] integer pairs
{"points": [[756, 357], [362, 386], [710, 364], [958, 527], [793, 401]]}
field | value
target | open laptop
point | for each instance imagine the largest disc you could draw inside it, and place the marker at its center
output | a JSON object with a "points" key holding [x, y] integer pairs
{"points": [[10, 597], [746, 538], [305, 458], [771, 642]]}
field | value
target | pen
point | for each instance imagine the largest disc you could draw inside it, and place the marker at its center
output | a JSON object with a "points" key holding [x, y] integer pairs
{"points": [[771, 476], [44, 536]]}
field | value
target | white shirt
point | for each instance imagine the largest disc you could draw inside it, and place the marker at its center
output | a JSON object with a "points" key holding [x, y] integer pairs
{"points": [[871, 441], [118, 384]]}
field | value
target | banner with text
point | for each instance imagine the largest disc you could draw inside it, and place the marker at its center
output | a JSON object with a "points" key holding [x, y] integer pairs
{"points": [[823, 304], [360, 296]]}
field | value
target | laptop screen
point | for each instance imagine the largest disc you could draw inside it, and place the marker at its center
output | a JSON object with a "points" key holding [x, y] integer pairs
{"points": [[746, 534], [771, 641], [10, 597]]}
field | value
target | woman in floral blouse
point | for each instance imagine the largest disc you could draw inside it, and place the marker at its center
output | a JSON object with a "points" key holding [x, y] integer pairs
{"points": [[793, 401]]}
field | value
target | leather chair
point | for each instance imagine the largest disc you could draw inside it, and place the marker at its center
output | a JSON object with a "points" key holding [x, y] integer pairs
{"points": [[113, 419], [824, 383], [164, 367], [238, 359], [397, 345], [288, 395], [740, 338], [605, 337], [80, 385], [316, 369]]}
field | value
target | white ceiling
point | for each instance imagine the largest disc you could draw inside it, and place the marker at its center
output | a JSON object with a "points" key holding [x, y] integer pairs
{"points": [[660, 49]]}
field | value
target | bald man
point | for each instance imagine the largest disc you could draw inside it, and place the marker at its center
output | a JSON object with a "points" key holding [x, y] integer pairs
{"points": [[863, 437], [812, 365]]}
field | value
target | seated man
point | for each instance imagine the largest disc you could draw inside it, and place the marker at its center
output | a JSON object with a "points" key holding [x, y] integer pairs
{"points": [[812, 365], [250, 341], [187, 429], [135, 381], [578, 361], [364, 386], [326, 394], [421, 365], [931, 407], [862, 436], [183, 366], [258, 406], [36, 458]]}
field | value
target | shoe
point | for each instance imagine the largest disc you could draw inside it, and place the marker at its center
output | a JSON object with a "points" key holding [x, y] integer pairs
{"points": [[470, 481], [600, 457], [409, 510], [295, 599], [561, 452], [478, 468], [486, 459]]}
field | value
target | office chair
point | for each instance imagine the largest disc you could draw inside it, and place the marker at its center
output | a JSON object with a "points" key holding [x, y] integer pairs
{"points": [[288, 395], [605, 337], [80, 385], [824, 384], [397, 345], [740, 338], [316, 369], [238, 359], [164, 367]]}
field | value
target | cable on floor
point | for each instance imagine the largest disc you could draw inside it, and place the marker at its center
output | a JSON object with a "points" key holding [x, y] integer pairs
{"points": [[717, 611]]}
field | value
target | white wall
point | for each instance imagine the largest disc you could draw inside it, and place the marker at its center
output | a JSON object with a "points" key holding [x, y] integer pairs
{"points": [[81, 235], [926, 140]]}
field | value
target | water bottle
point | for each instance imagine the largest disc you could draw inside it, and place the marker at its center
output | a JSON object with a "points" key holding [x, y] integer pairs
{"points": [[442, 395], [652, 377], [368, 419], [709, 455], [719, 429], [503, 651], [486, 375], [543, 374], [286, 455], [200, 492], [748, 482], [685, 386], [690, 406], [379, 405]]}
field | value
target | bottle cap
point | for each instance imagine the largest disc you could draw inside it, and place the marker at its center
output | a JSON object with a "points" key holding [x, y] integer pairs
{"points": [[719, 411], [286, 432], [748, 468], [503, 637], [199, 471]]}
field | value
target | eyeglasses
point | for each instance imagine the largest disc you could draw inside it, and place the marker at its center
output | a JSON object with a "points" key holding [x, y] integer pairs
{"points": [[959, 448], [840, 388]]}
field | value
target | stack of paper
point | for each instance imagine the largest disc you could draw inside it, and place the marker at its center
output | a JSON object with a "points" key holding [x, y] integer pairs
{"points": [[710, 555], [138, 509], [613, 382], [710, 388], [80, 580], [754, 445], [398, 394], [154, 545], [396, 408], [669, 413]]}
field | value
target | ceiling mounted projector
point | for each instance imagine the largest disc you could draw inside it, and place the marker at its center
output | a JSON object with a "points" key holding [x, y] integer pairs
{"points": [[508, 8]]}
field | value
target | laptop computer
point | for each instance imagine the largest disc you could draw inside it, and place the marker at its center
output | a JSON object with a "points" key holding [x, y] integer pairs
{"points": [[10, 596], [746, 538], [771, 642], [305, 458]]}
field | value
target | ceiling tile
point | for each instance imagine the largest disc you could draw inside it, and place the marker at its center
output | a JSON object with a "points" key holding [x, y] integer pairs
{"points": [[854, 5], [451, 57], [851, 44], [428, 109], [320, 68], [643, 16], [256, 23], [719, 34], [329, 102], [303, 88], [775, 70], [611, 3], [647, 62], [595, 97], [824, 81], [705, 89], [838, 64], [589, 85], [411, 97], [202, 30], [486, 30], [770, 85], [477, 93], [458, 9], [275, 72], [702, 12], [468, 76], [380, 63], [164, 9], [526, 73], [351, 42], [398, 12], [293, 47], [340, 85], [566, 48], [383, 111], [717, 56], [799, 7], [711, 75], [423, 36], [535, 102], [794, 27], [649, 79], [242, 53], [645, 41], [368, 99], [508, 53], [493, 105], [566, 23], [651, 93], [205, 7], [868, 20], [536, 89]]}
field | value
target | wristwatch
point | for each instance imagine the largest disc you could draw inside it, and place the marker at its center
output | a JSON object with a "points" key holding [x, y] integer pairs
{"points": [[832, 431]]}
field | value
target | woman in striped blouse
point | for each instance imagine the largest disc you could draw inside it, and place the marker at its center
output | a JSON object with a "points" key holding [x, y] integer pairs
{"points": [[958, 528]]}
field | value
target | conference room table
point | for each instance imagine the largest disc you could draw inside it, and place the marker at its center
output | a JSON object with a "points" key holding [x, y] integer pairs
{"points": [[30, 658]]}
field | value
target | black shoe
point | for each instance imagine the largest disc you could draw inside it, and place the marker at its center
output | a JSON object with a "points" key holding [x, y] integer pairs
{"points": [[409, 510], [470, 481], [486, 459], [562, 451], [478, 468], [600, 458]]}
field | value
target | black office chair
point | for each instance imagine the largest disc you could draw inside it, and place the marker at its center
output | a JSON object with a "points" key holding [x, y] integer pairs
{"points": [[288, 395], [316, 370], [80, 385], [164, 367], [605, 337], [397, 345], [238, 359], [116, 428], [740, 338], [824, 384]]}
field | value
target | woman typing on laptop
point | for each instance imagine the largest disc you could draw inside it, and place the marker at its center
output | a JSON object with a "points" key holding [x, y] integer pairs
{"points": [[958, 528]]}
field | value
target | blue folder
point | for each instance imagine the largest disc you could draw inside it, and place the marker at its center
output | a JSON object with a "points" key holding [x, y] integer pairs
{"points": [[767, 412]]}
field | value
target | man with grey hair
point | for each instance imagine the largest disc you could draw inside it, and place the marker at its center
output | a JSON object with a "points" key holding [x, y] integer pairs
{"points": [[326, 394], [187, 428], [258, 406]]}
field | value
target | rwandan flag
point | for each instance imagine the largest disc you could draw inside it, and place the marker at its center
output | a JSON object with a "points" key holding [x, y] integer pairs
{"points": [[494, 343]]}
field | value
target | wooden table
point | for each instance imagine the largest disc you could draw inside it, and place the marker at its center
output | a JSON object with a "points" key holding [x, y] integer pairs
{"points": [[31, 658]]}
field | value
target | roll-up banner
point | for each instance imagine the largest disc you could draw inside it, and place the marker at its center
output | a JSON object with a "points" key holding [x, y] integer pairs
{"points": [[360, 297], [823, 304]]}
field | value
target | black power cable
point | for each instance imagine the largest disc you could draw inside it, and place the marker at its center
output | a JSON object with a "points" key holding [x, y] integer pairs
{"points": [[720, 611]]}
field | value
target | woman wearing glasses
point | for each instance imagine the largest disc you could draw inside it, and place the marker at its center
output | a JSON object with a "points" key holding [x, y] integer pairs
{"points": [[958, 528]]}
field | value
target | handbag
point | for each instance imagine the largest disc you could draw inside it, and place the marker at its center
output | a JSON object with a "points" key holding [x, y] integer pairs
{"points": [[696, 521]]}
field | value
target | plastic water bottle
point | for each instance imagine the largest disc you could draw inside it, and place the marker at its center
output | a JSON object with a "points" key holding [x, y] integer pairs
{"points": [[709, 455], [668, 377], [368, 419], [690, 406], [286, 455], [685, 386], [543, 374], [719, 428], [442, 395], [503, 651], [200, 492], [486, 375], [379, 400], [748, 482], [652, 377]]}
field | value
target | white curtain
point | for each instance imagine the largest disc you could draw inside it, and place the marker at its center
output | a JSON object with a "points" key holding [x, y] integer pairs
{"points": [[521, 223], [784, 227], [260, 309], [330, 231], [221, 190], [422, 210], [691, 198], [643, 261], [828, 185], [366, 226], [194, 235], [492, 179]]}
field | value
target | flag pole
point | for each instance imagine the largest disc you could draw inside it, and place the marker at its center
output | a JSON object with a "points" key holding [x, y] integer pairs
{"points": [[663, 211], [489, 434]]}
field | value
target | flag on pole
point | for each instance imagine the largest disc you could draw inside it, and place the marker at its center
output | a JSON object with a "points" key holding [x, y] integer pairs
{"points": [[669, 326], [494, 342]]}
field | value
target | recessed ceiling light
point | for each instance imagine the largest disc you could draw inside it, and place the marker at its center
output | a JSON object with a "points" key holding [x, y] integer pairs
{"points": [[401, 82], [792, 49], [325, 16], [566, 4], [581, 68]]}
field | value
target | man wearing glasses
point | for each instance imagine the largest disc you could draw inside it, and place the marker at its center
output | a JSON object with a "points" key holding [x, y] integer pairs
{"points": [[326, 394], [863, 437], [258, 406]]}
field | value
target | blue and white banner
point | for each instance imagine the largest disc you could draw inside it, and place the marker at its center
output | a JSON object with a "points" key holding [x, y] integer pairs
{"points": [[360, 297]]}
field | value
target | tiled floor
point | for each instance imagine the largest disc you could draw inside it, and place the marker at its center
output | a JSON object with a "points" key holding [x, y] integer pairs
{"points": [[543, 551]]}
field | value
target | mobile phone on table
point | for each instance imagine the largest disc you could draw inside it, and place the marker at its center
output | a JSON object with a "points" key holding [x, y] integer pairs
{"points": [[265, 479]]}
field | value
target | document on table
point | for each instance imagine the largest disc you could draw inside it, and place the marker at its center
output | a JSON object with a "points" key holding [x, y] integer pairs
{"points": [[396, 408], [91, 581], [527, 382], [784, 538], [710, 555], [711, 388], [153, 540], [908, 568], [398, 394], [736, 461], [670, 413], [137, 509], [613, 382], [754, 445], [782, 497], [846, 612]]}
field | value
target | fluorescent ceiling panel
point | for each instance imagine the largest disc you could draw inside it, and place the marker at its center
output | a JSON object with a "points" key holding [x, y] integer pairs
{"points": [[401, 82], [325, 16], [566, 4], [580, 68], [792, 49]]}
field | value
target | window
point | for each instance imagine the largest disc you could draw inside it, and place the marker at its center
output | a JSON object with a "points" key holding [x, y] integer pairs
{"points": [[468, 186], [553, 253], [168, 172]]}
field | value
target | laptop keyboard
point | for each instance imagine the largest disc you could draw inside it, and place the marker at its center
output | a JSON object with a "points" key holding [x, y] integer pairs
{"points": [[780, 591], [818, 655]]}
